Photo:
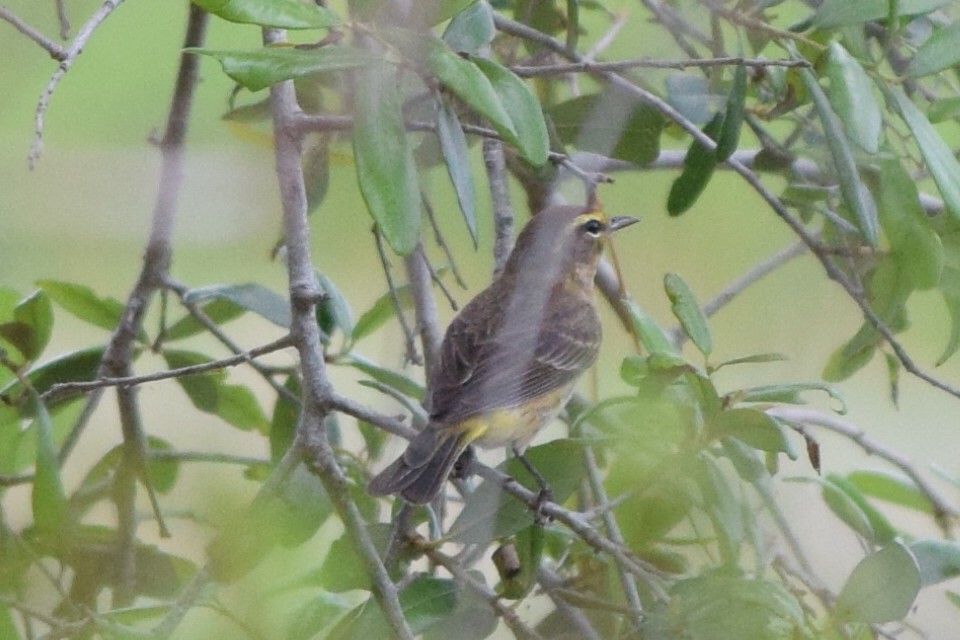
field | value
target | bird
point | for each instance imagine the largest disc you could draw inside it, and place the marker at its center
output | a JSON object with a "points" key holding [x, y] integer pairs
{"points": [[509, 361]]}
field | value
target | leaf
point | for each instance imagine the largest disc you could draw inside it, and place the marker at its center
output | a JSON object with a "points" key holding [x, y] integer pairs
{"points": [[77, 366], [938, 560], [938, 156], [286, 415], [892, 488], [687, 311], [652, 336], [788, 393], [315, 615], [729, 135], [523, 109], [851, 94], [425, 602], [755, 428], [282, 14], [882, 587], [837, 13], [50, 512], [388, 377], [385, 168], [333, 311], [381, 312], [209, 393], [613, 123], [698, 166], [252, 297], [82, 302], [456, 155], [220, 311], [882, 531], [944, 109], [260, 69], [940, 51], [855, 194], [471, 29], [491, 513], [752, 359], [449, 8], [31, 327], [916, 247]]}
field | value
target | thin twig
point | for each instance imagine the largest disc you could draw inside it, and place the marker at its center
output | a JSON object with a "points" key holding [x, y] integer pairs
{"points": [[424, 306], [75, 49], [64, 19], [442, 243], [412, 355], [552, 585], [65, 388], [588, 66], [56, 51]]}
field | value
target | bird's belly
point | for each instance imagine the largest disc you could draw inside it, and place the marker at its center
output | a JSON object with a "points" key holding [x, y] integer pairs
{"points": [[517, 426]]}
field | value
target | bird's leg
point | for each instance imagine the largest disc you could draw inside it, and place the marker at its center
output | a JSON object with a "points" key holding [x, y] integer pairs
{"points": [[545, 495]]}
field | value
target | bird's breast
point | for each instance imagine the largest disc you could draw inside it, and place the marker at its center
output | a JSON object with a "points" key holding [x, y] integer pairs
{"points": [[516, 426]]}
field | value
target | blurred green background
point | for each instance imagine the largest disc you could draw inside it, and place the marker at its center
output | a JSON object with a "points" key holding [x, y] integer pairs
{"points": [[83, 213]]}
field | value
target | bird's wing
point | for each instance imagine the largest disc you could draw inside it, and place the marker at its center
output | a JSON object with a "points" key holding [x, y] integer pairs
{"points": [[489, 366]]}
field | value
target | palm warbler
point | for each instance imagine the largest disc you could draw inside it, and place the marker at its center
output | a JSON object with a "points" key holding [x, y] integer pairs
{"points": [[511, 357]]}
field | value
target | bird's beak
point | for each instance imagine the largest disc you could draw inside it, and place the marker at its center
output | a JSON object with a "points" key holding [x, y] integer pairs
{"points": [[619, 222]]}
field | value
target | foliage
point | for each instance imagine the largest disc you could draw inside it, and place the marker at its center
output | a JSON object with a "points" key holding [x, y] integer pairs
{"points": [[664, 520]]}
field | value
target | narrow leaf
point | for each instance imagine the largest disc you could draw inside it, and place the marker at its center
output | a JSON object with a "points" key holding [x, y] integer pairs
{"points": [[220, 311], [892, 488], [851, 94], [471, 29], [729, 136], [523, 109], [754, 428], [855, 193], [82, 302], [456, 155], [49, 498], [259, 69], [940, 51], [252, 297], [687, 311], [333, 312], [381, 312], [938, 156], [837, 13], [385, 168], [882, 587], [698, 166], [938, 560], [282, 14], [652, 336]]}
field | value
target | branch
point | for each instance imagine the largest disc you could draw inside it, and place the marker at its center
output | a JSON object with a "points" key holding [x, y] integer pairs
{"points": [[588, 66], [63, 388], [311, 437], [424, 305], [70, 56], [56, 51], [503, 217]]}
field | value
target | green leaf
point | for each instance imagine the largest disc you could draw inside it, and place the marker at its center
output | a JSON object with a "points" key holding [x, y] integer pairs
{"points": [[613, 123], [466, 80], [425, 602], [940, 51], [698, 166], [882, 587], [286, 415], [855, 194], [527, 548], [938, 156], [652, 336], [315, 615], [688, 312], [938, 560], [882, 531], [50, 512], [788, 393], [852, 356], [252, 297], [944, 109], [388, 377], [752, 359], [220, 311], [456, 155], [490, 513], [77, 366], [471, 29], [845, 508], [381, 312], [916, 247], [282, 14], [208, 392], [729, 136], [385, 168], [522, 107], [837, 13], [892, 488], [82, 302], [333, 311], [851, 94], [260, 69], [31, 327], [447, 9], [755, 428]]}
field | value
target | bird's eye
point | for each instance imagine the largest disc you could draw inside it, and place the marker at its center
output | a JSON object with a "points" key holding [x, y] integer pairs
{"points": [[593, 227]]}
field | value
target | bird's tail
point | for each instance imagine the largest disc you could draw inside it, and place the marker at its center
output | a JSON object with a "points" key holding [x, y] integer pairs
{"points": [[418, 475]]}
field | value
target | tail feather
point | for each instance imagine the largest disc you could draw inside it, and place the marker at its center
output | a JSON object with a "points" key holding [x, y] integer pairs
{"points": [[419, 474]]}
